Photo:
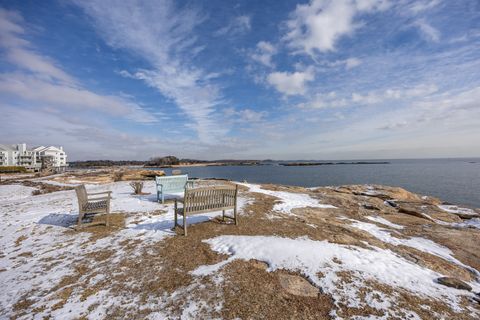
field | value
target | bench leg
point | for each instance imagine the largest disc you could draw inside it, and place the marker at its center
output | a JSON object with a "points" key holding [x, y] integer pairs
{"points": [[163, 198], [223, 215], [184, 223], [107, 222], [175, 219], [80, 217], [235, 215]]}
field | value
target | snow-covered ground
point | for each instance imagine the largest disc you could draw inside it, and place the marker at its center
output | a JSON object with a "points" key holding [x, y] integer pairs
{"points": [[418, 243], [36, 252], [288, 200], [312, 258], [33, 231]]}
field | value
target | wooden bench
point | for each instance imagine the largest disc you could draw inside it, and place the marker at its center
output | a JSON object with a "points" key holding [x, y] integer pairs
{"points": [[90, 204], [171, 184], [207, 199]]}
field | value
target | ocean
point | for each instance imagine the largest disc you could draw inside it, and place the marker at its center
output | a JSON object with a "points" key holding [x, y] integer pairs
{"points": [[453, 180]]}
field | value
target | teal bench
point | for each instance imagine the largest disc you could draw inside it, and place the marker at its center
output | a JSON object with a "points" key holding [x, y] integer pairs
{"points": [[171, 184]]}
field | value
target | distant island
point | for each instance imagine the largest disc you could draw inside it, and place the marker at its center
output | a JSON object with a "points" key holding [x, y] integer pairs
{"points": [[292, 164], [162, 162], [173, 162]]}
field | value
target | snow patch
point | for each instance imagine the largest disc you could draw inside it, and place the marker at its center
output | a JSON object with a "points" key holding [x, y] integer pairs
{"points": [[456, 210], [470, 223], [311, 257], [288, 200], [15, 192], [385, 222], [418, 243]]}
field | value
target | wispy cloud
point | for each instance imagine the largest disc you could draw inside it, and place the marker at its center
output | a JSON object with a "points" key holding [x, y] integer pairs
{"points": [[429, 32], [239, 25], [335, 100], [20, 52], [163, 35], [41, 81], [422, 5]]}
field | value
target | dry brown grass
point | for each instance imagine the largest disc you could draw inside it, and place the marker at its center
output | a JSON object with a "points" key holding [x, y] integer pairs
{"points": [[151, 272]]}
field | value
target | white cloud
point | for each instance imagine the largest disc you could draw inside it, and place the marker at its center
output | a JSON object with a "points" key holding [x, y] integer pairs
{"points": [[19, 51], [264, 53], [421, 91], [291, 83], [245, 115], [429, 32], [349, 63], [333, 100], [324, 101], [321, 23], [39, 91], [239, 25], [465, 100], [420, 6], [47, 84], [352, 63], [164, 36], [250, 115]]}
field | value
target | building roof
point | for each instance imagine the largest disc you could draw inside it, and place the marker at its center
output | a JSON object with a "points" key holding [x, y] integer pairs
{"points": [[4, 147], [52, 148]]}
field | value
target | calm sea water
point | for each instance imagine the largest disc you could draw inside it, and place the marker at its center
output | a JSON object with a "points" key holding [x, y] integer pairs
{"points": [[452, 180]]}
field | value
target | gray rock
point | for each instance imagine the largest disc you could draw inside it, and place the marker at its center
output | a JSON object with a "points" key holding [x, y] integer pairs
{"points": [[297, 285], [454, 283]]}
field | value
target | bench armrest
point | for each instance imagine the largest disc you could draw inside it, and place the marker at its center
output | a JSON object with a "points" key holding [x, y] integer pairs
{"points": [[190, 184], [98, 199], [95, 193]]}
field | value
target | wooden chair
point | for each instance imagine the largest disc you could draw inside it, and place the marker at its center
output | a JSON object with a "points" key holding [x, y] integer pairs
{"points": [[207, 199], [90, 204]]}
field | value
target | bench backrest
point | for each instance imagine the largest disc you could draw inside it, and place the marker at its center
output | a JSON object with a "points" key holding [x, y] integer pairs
{"points": [[81, 194], [172, 183], [207, 199]]}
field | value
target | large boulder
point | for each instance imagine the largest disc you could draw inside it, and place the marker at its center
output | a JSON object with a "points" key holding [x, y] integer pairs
{"points": [[137, 174], [454, 283], [297, 285]]}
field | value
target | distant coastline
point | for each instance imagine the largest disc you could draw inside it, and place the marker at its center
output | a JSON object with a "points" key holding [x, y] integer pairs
{"points": [[297, 164]]}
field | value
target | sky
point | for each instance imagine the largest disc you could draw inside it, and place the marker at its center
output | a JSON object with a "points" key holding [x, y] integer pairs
{"points": [[270, 79]]}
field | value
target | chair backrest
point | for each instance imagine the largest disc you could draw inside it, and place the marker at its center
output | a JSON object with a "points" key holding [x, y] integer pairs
{"points": [[81, 194], [172, 183], [206, 199], [176, 172]]}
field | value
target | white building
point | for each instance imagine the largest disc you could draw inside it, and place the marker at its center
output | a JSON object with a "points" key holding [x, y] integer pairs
{"points": [[20, 155]]}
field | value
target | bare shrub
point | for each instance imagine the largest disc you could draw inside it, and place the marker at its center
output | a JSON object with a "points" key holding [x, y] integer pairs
{"points": [[137, 186], [117, 176]]}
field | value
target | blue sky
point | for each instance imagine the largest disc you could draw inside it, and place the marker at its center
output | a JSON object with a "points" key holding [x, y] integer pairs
{"points": [[318, 79]]}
